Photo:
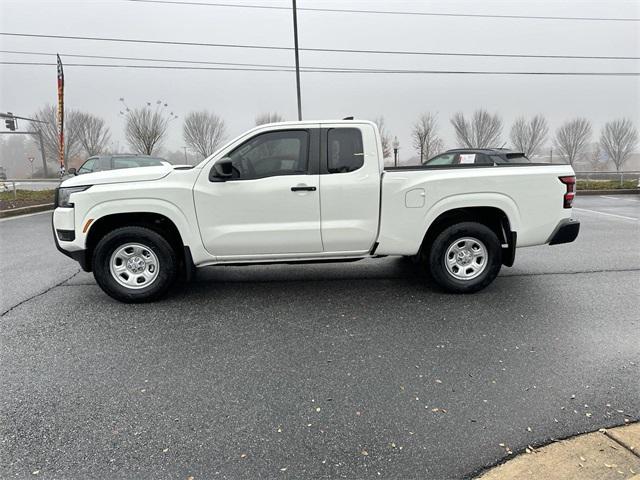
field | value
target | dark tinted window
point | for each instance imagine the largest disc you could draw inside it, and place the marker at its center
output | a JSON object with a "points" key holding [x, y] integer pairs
{"points": [[271, 154], [482, 159], [344, 150], [510, 158], [517, 158]]}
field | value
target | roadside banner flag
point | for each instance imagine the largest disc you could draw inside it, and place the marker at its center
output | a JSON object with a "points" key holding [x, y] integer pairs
{"points": [[61, 113]]}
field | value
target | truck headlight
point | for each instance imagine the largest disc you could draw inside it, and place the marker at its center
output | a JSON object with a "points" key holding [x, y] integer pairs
{"points": [[63, 195]]}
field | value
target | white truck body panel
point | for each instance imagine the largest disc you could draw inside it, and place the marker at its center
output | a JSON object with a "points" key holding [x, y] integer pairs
{"points": [[349, 215], [350, 202], [523, 193]]}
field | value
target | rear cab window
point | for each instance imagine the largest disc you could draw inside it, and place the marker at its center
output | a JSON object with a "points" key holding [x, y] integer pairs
{"points": [[345, 151]]}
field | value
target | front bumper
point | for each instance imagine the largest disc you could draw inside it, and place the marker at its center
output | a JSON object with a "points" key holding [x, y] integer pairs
{"points": [[566, 232], [79, 256]]}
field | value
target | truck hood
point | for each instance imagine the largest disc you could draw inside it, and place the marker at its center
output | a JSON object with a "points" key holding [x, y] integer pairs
{"points": [[139, 174]]}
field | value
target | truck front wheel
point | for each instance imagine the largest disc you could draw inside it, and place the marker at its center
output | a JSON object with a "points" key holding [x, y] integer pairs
{"points": [[134, 264], [465, 257]]}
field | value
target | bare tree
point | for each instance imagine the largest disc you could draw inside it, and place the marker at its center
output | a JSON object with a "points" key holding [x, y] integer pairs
{"points": [[268, 118], [529, 136], [425, 136], [49, 132], [146, 127], [93, 134], [483, 131], [572, 138], [618, 139], [203, 132], [385, 136]]}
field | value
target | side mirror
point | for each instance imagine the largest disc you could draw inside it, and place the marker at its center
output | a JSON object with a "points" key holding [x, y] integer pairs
{"points": [[72, 171], [222, 170]]}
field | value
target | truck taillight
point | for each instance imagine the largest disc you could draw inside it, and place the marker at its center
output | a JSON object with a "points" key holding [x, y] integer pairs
{"points": [[570, 194]]}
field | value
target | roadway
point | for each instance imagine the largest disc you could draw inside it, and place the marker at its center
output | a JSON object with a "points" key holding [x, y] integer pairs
{"points": [[346, 370]]}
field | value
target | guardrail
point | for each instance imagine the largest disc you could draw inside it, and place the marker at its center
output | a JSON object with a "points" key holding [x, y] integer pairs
{"points": [[22, 182], [621, 177]]}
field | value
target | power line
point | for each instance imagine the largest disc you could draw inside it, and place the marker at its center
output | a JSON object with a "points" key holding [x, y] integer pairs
{"points": [[251, 66], [346, 70], [329, 50], [147, 59], [155, 67], [197, 62], [390, 12]]}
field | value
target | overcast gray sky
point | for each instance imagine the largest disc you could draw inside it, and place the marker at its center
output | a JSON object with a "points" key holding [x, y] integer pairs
{"points": [[239, 96]]}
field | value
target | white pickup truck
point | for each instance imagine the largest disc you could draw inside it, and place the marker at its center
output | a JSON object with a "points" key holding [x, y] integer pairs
{"points": [[300, 192]]}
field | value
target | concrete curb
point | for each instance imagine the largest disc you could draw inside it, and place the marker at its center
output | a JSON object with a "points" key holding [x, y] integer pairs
{"points": [[605, 454], [14, 212], [621, 191]]}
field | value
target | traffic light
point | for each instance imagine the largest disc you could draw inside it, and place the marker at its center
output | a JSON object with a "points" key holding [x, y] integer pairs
{"points": [[11, 123]]}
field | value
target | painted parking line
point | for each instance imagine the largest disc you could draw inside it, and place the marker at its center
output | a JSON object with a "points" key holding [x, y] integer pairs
{"points": [[619, 198], [606, 214], [18, 217]]}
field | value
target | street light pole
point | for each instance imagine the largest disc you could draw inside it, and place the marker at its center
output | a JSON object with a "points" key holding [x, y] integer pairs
{"points": [[396, 147], [295, 42]]}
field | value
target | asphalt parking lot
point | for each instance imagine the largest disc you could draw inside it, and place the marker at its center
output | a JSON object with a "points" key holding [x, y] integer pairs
{"points": [[353, 370]]}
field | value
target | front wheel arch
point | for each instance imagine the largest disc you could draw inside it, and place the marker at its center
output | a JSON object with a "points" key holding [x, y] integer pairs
{"points": [[161, 256], [153, 221]]}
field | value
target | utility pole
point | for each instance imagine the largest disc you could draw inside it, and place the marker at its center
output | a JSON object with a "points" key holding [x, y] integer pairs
{"points": [[551, 155], [295, 42]]}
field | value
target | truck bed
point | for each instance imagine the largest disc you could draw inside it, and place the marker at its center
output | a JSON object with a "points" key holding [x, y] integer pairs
{"points": [[531, 196]]}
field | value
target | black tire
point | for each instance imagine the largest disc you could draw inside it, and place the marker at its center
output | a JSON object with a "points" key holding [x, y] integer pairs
{"points": [[151, 240], [437, 257]]}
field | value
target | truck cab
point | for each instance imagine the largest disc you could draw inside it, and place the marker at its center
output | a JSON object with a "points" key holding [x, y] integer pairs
{"points": [[282, 178]]}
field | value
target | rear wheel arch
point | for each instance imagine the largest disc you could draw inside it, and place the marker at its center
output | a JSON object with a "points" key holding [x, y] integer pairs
{"points": [[494, 218], [465, 257]]}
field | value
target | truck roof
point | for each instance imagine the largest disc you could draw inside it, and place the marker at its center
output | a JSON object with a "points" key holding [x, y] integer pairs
{"points": [[498, 151], [312, 122]]}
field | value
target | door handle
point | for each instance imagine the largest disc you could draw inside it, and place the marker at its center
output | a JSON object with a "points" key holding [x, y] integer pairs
{"points": [[303, 189]]}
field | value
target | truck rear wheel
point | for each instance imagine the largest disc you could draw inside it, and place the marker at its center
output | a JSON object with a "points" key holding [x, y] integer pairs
{"points": [[465, 257], [134, 264]]}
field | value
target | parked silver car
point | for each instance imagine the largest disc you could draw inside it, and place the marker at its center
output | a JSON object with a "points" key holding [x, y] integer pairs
{"points": [[100, 163]]}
